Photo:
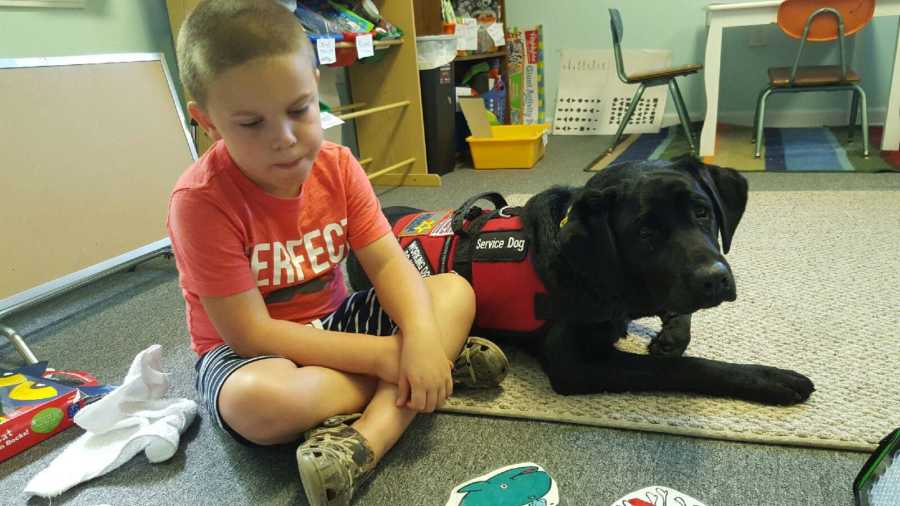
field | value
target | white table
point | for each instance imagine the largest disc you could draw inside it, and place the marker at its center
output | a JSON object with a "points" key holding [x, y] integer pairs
{"points": [[724, 15]]}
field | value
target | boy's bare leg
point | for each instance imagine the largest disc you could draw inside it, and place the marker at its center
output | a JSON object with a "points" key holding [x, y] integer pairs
{"points": [[273, 401], [383, 422], [454, 309]]}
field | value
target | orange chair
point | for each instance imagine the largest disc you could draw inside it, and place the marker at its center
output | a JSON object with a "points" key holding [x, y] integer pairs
{"points": [[818, 21]]}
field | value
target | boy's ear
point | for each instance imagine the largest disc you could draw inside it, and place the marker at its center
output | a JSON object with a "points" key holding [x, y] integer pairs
{"points": [[203, 120]]}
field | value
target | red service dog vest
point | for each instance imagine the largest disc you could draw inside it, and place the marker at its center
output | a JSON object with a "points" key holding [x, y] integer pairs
{"points": [[492, 252]]}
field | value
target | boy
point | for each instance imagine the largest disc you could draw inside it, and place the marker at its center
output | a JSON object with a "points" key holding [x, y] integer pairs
{"points": [[259, 225]]}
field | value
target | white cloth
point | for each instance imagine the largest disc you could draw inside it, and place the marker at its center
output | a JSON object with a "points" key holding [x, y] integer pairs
{"points": [[131, 418]]}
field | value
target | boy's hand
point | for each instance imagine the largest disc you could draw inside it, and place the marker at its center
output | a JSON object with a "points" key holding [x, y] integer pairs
{"points": [[425, 380]]}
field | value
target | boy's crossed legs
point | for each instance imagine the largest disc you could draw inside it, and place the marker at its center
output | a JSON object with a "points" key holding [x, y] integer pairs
{"points": [[272, 401]]}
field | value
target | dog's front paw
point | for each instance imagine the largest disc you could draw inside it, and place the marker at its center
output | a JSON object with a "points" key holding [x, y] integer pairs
{"points": [[666, 348], [670, 343], [770, 385], [674, 337]]}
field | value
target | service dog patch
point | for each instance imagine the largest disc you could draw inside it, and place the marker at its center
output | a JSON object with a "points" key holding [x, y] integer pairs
{"points": [[416, 254], [500, 246], [426, 222]]}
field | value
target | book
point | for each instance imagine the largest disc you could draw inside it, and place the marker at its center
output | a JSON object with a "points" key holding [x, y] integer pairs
{"points": [[37, 402]]}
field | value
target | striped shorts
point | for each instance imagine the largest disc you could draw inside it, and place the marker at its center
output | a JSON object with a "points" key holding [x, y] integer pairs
{"points": [[360, 313]]}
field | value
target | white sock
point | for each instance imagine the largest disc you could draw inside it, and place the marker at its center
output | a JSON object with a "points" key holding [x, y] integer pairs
{"points": [[131, 418]]}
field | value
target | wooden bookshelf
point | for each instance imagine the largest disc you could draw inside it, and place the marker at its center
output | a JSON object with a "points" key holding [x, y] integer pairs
{"points": [[387, 103]]}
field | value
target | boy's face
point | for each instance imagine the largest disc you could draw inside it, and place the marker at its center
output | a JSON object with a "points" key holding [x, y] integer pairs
{"points": [[267, 111]]}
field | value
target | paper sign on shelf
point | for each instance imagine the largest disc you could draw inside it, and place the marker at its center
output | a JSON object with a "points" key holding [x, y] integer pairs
{"points": [[329, 120], [467, 34], [495, 30], [325, 50], [364, 47]]}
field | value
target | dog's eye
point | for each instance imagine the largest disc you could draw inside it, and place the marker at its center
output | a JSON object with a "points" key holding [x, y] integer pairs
{"points": [[646, 233], [701, 213]]}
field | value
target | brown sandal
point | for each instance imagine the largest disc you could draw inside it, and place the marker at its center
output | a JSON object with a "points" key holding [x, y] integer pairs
{"points": [[333, 462], [480, 364]]}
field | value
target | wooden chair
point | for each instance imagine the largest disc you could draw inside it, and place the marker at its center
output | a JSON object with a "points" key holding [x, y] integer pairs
{"points": [[646, 79], [818, 21]]}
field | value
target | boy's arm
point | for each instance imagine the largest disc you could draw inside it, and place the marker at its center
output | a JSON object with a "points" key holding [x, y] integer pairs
{"points": [[244, 323], [425, 380]]}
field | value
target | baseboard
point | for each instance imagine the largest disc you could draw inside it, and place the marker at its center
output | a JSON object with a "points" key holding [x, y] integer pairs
{"points": [[780, 119], [784, 119]]}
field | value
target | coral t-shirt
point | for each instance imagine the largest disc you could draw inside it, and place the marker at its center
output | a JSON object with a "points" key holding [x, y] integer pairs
{"points": [[229, 236]]}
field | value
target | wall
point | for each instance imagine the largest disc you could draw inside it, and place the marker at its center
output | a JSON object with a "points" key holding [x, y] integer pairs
{"points": [[102, 26], [110, 26], [115, 26], [680, 25]]}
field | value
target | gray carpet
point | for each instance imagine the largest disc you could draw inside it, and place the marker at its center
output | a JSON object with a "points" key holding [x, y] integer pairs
{"points": [[101, 327]]}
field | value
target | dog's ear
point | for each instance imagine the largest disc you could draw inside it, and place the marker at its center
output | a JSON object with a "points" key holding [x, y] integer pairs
{"points": [[728, 190], [731, 187], [587, 241]]}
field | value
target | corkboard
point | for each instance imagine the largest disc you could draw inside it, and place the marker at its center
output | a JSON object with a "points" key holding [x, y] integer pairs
{"points": [[91, 147]]}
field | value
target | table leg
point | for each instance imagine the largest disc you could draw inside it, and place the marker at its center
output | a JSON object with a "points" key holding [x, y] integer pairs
{"points": [[711, 71], [890, 141]]}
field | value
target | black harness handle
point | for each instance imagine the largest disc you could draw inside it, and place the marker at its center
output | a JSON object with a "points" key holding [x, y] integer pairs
{"points": [[461, 213], [462, 260]]}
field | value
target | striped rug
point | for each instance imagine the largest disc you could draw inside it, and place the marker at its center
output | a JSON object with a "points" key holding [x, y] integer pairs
{"points": [[822, 149]]}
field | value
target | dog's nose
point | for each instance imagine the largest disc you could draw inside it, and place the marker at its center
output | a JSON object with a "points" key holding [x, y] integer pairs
{"points": [[714, 284]]}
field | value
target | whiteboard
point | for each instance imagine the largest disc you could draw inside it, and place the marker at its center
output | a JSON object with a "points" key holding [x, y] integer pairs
{"points": [[92, 146]]}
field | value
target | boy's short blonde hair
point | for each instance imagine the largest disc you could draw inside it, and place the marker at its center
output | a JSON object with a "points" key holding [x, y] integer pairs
{"points": [[220, 34]]}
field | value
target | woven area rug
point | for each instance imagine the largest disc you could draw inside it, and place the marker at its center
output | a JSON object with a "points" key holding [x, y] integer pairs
{"points": [[818, 279], [786, 150]]}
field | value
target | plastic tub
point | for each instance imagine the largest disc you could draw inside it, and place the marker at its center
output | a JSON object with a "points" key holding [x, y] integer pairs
{"points": [[433, 51], [510, 147]]}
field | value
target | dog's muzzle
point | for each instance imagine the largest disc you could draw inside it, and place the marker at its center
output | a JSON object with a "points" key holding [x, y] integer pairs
{"points": [[713, 284]]}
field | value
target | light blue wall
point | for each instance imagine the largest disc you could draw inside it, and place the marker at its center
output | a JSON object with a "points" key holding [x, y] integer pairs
{"points": [[102, 26], [111, 26], [680, 25]]}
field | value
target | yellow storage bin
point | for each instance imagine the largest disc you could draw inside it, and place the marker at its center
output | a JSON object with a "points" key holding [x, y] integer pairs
{"points": [[509, 147]]}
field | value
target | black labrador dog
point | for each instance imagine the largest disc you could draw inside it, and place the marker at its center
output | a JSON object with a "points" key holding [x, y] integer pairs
{"points": [[639, 239]]}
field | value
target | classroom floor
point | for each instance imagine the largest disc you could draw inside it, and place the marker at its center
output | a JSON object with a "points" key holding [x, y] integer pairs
{"points": [[102, 326]]}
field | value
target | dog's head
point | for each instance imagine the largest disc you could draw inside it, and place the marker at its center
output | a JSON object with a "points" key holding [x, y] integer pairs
{"points": [[650, 230]]}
